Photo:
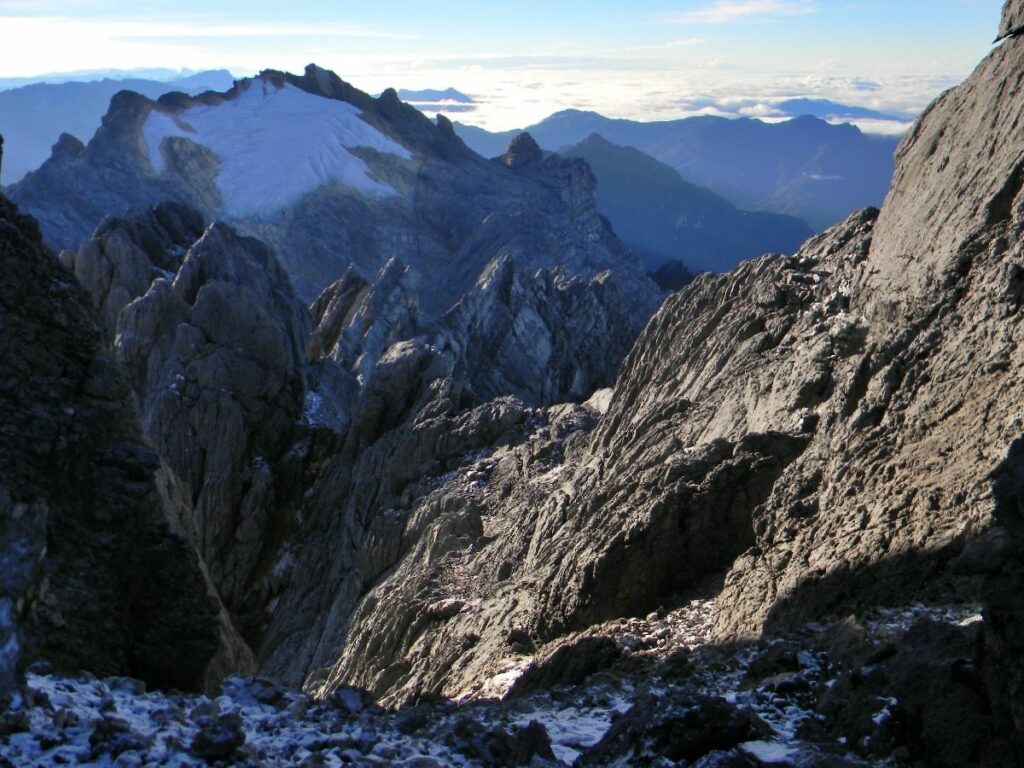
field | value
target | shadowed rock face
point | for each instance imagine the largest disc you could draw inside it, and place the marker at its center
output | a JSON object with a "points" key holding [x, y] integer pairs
{"points": [[93, 531], [216, 361]]}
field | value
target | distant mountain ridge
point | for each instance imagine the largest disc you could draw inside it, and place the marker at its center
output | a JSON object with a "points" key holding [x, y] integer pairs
{"points": [[827, 109], [434, 95], [161, 74], [663, 218], [33, 117], [803, 167]]}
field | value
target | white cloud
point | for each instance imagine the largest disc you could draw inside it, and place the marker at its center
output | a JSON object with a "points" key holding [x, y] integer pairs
{"points": [[727, 11], [35, 44]]}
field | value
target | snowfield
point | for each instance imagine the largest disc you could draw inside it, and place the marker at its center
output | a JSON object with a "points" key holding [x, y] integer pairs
{"points": [[275, 145]]}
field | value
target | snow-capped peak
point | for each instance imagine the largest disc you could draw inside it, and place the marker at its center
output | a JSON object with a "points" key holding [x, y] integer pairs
{"points": [[276, 144]]}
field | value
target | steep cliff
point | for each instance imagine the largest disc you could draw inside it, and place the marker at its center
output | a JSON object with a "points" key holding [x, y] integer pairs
{"points": [[99, 572]]}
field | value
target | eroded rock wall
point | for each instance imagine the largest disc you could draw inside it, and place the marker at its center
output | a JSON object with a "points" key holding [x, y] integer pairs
{"points": [[118, 589]]}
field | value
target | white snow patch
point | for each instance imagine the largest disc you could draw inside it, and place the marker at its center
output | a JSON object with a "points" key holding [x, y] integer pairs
{"points": [[276, 145], [769, 752], [886, 711], [496, 686], [601, 400], [575, 728]]}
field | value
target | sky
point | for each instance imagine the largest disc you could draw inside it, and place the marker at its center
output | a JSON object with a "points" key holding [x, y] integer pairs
{"points": [[523, 60]]}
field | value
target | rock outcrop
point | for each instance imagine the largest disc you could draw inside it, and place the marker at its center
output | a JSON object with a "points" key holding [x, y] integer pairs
{"points": [[125, 255], [216, 358], [98, 571], [585, 520], [1012, 22]]}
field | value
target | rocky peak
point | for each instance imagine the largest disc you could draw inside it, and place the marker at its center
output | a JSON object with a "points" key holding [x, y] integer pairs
{"points": [[216, 358], [126, 254], [523, 151], [68, 146]]}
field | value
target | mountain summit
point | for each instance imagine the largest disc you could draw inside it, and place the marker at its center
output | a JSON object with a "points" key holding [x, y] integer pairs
{"points": [[331, 178]]}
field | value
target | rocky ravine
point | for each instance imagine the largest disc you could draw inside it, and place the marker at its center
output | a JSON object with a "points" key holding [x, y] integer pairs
{"points": [[835, 418], [402, 504]]}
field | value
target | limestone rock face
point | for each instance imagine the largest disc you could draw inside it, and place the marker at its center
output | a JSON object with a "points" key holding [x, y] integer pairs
{"points": [[1012, 22], [216, 360], [821, 429], [93, 543], [105, 180], [522, 152], [125, 255], [545, 338], [609, 509]]}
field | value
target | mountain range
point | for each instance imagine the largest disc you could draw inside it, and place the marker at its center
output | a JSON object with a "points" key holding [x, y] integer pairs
{"points": [[831, 110], [804, 167], [332, 178], [501, 501], [434, 95], [662, 218], [694, 225]]}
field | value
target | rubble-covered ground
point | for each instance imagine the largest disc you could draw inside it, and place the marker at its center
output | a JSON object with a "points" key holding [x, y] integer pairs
{"points": [[646, 691]]}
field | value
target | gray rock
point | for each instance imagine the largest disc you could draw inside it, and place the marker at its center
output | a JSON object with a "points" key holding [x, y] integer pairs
{"points": [[125, 255], [218, 739], [673, 729], [120, 589], [522, 152], [1012, 22], [569, 664], [111, 736], [216, 361], [922, 697]]}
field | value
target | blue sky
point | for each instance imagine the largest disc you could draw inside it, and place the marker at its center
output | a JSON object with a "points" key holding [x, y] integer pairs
{"points": [[645, 59]]}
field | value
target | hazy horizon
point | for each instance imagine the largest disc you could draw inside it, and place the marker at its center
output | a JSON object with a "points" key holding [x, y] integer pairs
{"points": [[654, 60]]}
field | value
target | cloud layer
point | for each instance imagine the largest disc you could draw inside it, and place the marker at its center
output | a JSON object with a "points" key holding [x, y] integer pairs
{"points": [[732, 11]]}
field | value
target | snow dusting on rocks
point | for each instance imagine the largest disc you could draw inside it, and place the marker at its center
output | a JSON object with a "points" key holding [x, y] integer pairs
{"points": [[664, 694]]}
